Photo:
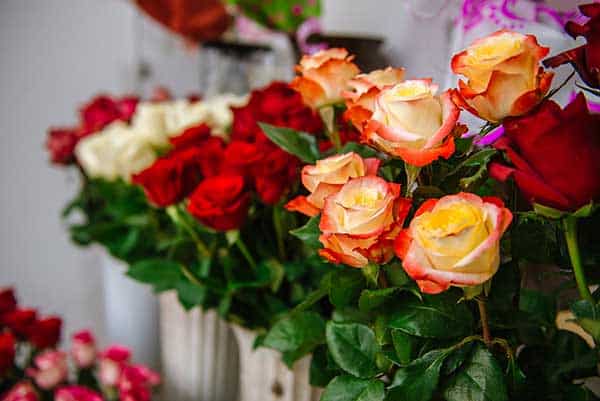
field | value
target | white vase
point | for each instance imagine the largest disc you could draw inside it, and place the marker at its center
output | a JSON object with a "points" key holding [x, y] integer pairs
{"points": [[199, 354], [264, 377], [131, 312]]}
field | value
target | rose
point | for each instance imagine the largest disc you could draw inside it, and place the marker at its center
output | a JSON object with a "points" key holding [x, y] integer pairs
{"points": [[274, 173], [44, 333], [104, 110], [359, 222], [191, 137], [220, 202], [50, 369], [7, 351], [115, 152], [586, 58], [327, 177], [171, 178], [19, 320], [360, 100], [112, 362], [83, 349], [60, 143], [76, 393], [504, 75], [22, 391], [324, 77], [136, 382], [454, 240], [8, 302], [555, 155], [410, 122]]}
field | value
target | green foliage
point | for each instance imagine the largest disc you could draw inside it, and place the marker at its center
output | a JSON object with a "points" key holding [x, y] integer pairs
{"points": [[281, 15], [353, 348], [297, 143]]}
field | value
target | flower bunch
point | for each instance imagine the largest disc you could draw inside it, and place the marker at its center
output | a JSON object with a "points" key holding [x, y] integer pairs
{"points": [[33, 369]]}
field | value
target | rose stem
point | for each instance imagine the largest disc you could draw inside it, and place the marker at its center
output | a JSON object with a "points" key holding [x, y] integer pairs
{"points": [[277, 210], [173, 213], [412, 173], [487, 337], [570, 227], [242, 247]]}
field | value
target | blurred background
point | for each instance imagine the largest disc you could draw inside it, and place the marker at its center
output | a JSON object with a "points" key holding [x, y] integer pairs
{"points": [[56, 54]]}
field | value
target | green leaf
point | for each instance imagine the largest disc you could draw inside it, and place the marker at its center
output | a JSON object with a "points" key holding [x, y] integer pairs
{"points": [[190, 294], [404, 345], [539, 305], [477, 159], [161, 273], [438, 316], [299, 144], [348, 388], [309, 233], [321, 370], [345, 287], [303, 331], [480, 379], [418, 381], [371, 299], [353, 348], [361, 150]]}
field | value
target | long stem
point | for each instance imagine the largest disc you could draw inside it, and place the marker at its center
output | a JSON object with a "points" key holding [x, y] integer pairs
{"points": [[487, 336], [173, 213], [244, 250], [279, 231], [191, 276], [570, 227], [412, 173]]}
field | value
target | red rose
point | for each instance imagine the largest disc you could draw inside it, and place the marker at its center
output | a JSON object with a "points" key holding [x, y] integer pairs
{"points": [[192, 136], [273, 174], [585, 59], [555, 155], [240, 157], [44, 333], [8, 302], [76, 393], [220, 202], [22, 391], [19, 320], [7, 351], [61, 144], [103, 110]]}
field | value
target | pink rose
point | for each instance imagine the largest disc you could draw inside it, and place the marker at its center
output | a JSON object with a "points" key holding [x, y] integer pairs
{"points": [[136, 383], [23, 391], [83, 349], [76, 393], [50, 369], [112, 362]]}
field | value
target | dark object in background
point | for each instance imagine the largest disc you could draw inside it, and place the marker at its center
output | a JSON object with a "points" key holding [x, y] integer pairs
{"points": [[368, 49]]}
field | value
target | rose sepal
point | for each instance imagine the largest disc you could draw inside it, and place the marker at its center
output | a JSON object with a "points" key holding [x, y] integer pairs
{"points": [[556, 214]]}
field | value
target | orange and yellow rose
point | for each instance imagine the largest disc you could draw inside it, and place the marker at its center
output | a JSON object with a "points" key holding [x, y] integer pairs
{"points": [[504, 76], [327, 177], [359, 223], [454, 241], [411, 122], [324, 77], [360, 100]]}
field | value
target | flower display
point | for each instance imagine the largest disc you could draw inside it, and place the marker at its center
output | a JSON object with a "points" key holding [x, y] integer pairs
{"points": [[542, 148], [324, 77], [50, 369], [504, 78], [76, 393], [585, 59], [410, 122], [453, 241], [327, 177], [23, 391], [83, 349], [360, 221]]}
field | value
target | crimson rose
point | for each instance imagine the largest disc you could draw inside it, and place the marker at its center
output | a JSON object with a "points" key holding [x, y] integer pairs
{"points": [[220, 202], [103, 110], [61, 144], [8, 302], [7, 351], [555, 155], [586, 58], [44, 333], [19, 320]]}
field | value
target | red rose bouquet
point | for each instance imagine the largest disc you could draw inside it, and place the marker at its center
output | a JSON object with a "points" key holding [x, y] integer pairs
{"points": [[33, 369]]}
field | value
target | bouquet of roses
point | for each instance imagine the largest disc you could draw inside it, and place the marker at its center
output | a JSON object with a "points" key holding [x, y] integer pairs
{"points": [[467, 258], [33, 369]]}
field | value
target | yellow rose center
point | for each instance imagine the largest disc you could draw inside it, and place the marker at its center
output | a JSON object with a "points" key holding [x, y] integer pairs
{"points": [[495, 50], [367, 198], [410, 90]]}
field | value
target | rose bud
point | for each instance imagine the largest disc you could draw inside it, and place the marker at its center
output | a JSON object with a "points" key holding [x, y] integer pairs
{"points": [[83, 349], [586, 58], [135, 378], [22, 391], [359, 223], [112, 362], [360, 100], [50, 369], [220, 202], [76, 393], [410, 122], [44, 333], [103, 110], [324, 77], [555, 155], [503, 74], [60, 144], [327, 177], [8, 302], [7, 351], [454, 240], [19, 320]]}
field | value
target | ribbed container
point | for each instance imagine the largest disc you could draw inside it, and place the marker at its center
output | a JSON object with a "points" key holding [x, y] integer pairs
{"points": [[199, 354], [264, 377]]}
